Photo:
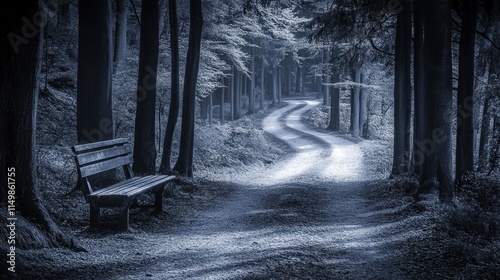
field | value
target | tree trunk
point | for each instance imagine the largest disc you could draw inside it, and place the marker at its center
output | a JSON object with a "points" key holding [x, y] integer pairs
{"points": [[237, 95], [355, 104], [94, 98], [251, 105], [279, 84], [437, 167], [120, 34], [173, 112], [298, 80], [275, 84], [335, 102], [418, 78], [221, 110], [465, 97], [20, 50], [262, 84], [487, 117], [326, 89], [184, 164], [362, 108], [210, 109], [402, 93], [231, 93], [288, 91], [204, 108], [144, 144]]}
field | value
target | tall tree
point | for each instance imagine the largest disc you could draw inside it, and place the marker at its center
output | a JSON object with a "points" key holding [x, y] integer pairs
{"points": [[94, 120], [402, 92], [487, 116], [465, 97], [262, 83], [355, 102], [120, 53], [362, 107], [437, 167], [418, 88], [184, 164], [173, 112], [251, 95], [335, 100], [144, 137], [20, 50], [237, 94]]}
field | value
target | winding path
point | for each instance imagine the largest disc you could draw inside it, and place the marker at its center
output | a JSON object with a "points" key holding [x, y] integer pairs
{"points": [[304, 217]]}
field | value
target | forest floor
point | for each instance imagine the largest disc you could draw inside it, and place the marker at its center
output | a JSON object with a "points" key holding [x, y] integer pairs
{"points": [[320, 211]]}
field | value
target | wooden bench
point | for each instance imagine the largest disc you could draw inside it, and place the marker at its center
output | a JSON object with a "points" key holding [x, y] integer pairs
{"points": [[97, 157]]}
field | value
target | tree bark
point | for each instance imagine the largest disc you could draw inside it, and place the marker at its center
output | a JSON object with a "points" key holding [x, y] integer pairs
{"points": [[437, 167], [144, 143], [221, 110], [279, 84], [20, 51], [251, 105], [94, 98], [335, 102], [362, 108], [355, 103], [484, 151], [326, 89], [173, 112], [275, 84], [237, 95], [204, 108], [262, 84], [465, 97], [210, 109], [298, 80], [120, 53], [402, 92], [184, 164], [231, 93], [418, 78]]}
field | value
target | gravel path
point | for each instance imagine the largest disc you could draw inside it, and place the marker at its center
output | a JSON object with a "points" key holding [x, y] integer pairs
{"points": [[305, 217]]}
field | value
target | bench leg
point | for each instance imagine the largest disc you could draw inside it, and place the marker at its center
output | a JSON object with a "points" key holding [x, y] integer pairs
{"points": [[94, 215], [159, 200], [123, 217]]}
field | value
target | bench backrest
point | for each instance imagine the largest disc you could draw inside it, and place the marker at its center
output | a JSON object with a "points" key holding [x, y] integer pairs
{"points": [[97, 157]]}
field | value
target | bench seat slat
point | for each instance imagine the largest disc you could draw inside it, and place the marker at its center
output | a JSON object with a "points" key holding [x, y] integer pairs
{"points": [[119, 184], [133, 187], [160, 180], [122, 185], [100, 155], [98, 145], [118, 198], [99, 167]]}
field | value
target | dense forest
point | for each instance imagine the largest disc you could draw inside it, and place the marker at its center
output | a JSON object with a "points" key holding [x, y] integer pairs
{"points": [[290, 125]]}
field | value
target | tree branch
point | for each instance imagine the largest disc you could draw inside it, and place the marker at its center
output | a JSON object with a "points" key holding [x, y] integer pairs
{"points": [[378, 49], [135, 12]]}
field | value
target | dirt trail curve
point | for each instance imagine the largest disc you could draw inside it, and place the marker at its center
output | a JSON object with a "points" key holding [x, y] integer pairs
{"points": [[305, 217], [302, 218]]}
